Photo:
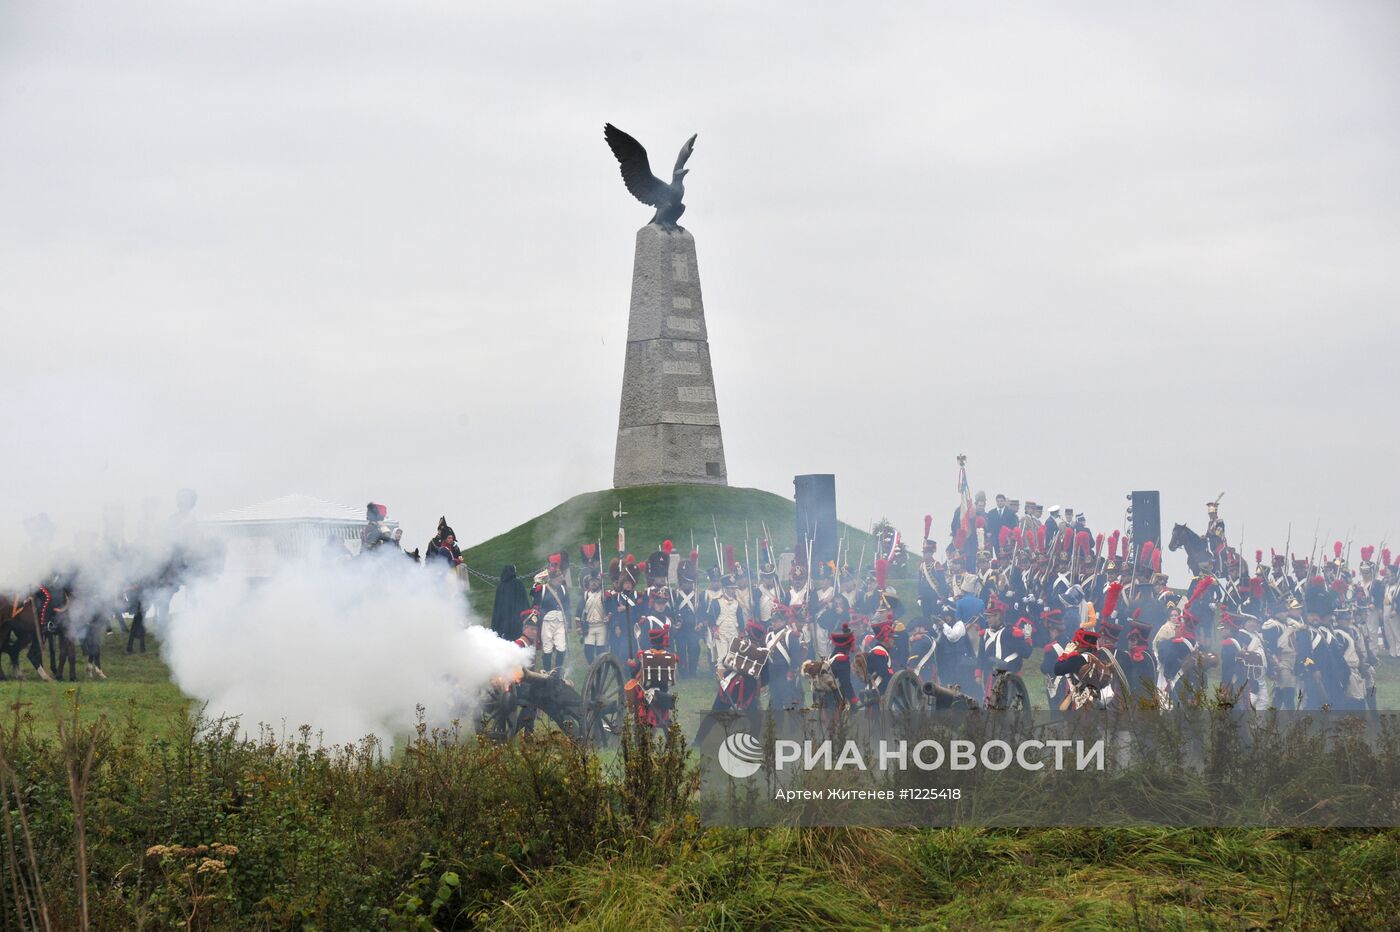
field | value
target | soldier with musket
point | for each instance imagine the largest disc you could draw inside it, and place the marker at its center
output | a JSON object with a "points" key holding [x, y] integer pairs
{"points": [[623, 610], [787, 648], [688, 616], [593, 619]]}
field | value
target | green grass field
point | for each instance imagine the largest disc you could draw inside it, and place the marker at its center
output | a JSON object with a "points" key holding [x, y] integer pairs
{"points": [[138, 689]]}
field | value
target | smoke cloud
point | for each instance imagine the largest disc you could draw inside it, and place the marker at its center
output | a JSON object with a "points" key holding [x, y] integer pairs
{"points": [[349, 647]]}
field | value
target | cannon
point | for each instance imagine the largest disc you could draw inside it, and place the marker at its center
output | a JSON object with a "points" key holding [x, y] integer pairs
{"points": [[592, 716]]}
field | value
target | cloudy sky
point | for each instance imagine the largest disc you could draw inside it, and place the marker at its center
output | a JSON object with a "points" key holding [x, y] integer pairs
{"points": [[371, 250]]}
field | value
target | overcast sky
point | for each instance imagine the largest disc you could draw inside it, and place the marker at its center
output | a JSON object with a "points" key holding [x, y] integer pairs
{"points": [[381, 251]]}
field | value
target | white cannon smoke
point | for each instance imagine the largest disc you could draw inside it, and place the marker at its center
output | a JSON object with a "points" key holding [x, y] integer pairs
{"points": [[349, 647]]}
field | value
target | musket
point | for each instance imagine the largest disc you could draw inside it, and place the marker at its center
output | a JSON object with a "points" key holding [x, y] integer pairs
{"points": [[719, 559], [861, 564], [811, 616]]}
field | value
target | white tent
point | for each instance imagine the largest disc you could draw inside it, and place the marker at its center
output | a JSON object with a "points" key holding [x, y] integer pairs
{"points": [[293, 527]]}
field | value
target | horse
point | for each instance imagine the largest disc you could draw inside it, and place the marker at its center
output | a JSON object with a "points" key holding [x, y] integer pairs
{"points": [[21, 629], [1198, 555]]}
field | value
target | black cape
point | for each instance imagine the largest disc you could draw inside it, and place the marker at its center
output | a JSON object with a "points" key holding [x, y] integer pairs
{"points": [[511, 600]]}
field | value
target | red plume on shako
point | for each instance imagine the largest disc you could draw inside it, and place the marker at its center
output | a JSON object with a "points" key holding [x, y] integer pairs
{"points": [[928, 525], [1110, 599], [882, 572], [1201, 587]]}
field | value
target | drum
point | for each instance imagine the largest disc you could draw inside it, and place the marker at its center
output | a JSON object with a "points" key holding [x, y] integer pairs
{"points": [[746, 656]]}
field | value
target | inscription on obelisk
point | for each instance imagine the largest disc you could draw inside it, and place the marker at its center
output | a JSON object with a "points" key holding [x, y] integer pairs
{"points": [[668, 425]]}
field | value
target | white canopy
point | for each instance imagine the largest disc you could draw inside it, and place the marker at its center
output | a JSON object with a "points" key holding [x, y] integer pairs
{"points": [[293, 527]]}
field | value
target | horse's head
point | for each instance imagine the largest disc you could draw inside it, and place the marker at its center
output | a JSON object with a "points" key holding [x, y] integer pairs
{"points": [[1178, 537]]}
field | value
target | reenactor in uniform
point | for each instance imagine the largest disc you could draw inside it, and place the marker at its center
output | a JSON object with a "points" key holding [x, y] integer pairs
{"points": [[654, 626], [1215, 534], [726, 619], [1002, 647], [786, 651], [552, 598], [653, 674], [1280, 634], [879, 668], [1243, 659], [593, 619], [743, 672], [622, 611], [1137, 660], [1060, 644], [689, 616]]}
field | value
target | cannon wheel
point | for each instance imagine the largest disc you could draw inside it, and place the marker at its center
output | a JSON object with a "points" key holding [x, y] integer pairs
{"points": [[1010, 695], [905, 693], [604, 700], [499, 716]]}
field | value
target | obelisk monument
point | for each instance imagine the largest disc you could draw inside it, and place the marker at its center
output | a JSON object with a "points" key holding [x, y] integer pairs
{"points": [[668, 423], [668, 426]]}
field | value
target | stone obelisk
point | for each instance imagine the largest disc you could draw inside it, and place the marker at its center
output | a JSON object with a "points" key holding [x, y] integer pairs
{"points": [[668, 426]]}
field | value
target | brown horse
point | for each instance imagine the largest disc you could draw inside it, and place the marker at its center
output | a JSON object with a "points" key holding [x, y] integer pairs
{"points": [[20, 628]]}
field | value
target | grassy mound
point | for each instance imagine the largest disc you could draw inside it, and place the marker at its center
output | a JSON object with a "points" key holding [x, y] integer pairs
{"points": [[654, 513]]}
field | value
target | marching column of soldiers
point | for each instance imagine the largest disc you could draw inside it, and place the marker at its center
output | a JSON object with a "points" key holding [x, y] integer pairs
{"points": [[1093, 613]]}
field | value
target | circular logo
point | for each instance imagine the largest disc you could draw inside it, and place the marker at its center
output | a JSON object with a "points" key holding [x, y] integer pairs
{"points": [[740, 755]]}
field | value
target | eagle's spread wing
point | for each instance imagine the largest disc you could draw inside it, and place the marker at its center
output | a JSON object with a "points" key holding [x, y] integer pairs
{"points": [[684, 156], [636, 170]]}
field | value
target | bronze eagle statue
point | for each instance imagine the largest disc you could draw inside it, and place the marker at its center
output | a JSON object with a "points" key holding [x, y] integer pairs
{"points": [[646, 187]]}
